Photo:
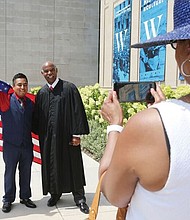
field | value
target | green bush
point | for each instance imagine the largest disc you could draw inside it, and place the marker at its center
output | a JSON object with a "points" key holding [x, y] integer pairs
{"points": [[168, 91], [175, 93], [93, 97], [181, 91], [35, 90], [94, 143]]}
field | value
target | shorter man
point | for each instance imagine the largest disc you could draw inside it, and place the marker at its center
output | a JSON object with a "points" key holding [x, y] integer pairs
{"points": [[16, 115]]}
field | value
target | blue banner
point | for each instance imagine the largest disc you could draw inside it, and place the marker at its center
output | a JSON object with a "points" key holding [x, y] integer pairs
{"points": [[122, 39], [153, 23]]}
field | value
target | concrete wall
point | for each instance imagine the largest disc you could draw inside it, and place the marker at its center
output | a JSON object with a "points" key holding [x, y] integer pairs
{"points": [[106, 44], [63, 31]]}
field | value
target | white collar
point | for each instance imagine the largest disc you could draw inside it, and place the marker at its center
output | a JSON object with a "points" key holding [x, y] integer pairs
{"points": [[54, 83]]}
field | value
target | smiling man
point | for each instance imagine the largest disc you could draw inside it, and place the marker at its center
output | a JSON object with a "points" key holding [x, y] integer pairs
{"points": [[60, 119], [16, 115]]}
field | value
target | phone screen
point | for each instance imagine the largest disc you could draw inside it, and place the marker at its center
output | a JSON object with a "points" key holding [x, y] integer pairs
{"points": [[134, 91]]}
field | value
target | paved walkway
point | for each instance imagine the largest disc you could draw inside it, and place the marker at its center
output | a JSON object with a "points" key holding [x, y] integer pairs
{"points": [[65, 208]]}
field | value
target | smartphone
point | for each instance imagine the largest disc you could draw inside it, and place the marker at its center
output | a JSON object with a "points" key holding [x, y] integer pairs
{"points": [[134, 91]]}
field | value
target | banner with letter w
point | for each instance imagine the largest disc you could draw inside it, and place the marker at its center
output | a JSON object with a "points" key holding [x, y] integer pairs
{"points": [[153, 23]]}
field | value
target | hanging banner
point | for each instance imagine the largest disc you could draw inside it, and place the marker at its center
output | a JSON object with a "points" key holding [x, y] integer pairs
{"points": [[121, 44], [153, 23]]}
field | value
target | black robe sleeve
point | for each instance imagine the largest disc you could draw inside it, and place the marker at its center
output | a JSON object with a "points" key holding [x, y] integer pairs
{"points": [[79, 123]]}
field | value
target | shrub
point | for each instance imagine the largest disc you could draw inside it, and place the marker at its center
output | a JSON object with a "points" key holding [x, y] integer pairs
{"points": [[35, 90], [93, 97], [94, 143]]}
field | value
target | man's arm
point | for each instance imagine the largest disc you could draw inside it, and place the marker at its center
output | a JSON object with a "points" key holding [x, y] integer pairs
{"points": [[4, 101]]}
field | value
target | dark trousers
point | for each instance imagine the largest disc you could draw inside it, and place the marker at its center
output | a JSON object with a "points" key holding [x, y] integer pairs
{"points": [[12, 157], [79, 196]]}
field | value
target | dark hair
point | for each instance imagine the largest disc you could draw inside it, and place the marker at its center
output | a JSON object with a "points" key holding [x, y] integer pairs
{"points": [[19, 75]]}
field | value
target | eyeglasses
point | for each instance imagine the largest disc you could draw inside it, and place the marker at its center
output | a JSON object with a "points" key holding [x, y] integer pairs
{"points": [[174, 44], [46, 71]]}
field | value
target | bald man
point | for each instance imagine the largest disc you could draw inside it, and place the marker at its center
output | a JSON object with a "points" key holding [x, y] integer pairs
{"points": [[59, 120]]}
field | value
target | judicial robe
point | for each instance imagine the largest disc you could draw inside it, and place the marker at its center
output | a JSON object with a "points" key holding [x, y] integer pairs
{"points": [[58, 115]]}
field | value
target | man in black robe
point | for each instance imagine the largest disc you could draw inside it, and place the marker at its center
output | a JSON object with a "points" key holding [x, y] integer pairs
{"points": [[59, 120]]}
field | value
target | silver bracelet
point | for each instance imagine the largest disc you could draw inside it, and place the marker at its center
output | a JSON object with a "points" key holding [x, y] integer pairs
{"points": [[117, 128]]}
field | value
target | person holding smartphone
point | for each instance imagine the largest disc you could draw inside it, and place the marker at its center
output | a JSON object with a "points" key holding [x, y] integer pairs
{"points": [[146, 163]]}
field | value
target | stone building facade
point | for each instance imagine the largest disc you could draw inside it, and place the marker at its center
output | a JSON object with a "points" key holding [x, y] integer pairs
{"points": [[63, 31]]}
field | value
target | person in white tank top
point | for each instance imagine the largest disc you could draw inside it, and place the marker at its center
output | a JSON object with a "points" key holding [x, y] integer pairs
{"points": [[147, 163]]}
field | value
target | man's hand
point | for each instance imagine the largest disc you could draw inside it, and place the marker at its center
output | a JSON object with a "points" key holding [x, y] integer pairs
{"points": [[75, 141]]}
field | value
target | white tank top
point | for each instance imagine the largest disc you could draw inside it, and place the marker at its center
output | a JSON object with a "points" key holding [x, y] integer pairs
{"points": [[173, 201]]}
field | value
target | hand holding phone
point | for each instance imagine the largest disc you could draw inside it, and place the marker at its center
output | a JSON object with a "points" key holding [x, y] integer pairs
{"points": [[134, 91], [158, 95], [111, 110]]}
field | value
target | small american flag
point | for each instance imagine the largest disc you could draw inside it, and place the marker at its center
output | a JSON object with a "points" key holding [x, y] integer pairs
{"points": [[6, 88]]}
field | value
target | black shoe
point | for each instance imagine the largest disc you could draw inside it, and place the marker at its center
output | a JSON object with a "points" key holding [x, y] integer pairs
{"points": [[6, 207], [83, 207], [53, 200], [28, 203]]}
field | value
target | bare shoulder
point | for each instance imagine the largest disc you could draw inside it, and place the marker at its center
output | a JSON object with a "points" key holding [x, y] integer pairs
{"points": [[144, 149], [140, 155], [146, 117]]}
